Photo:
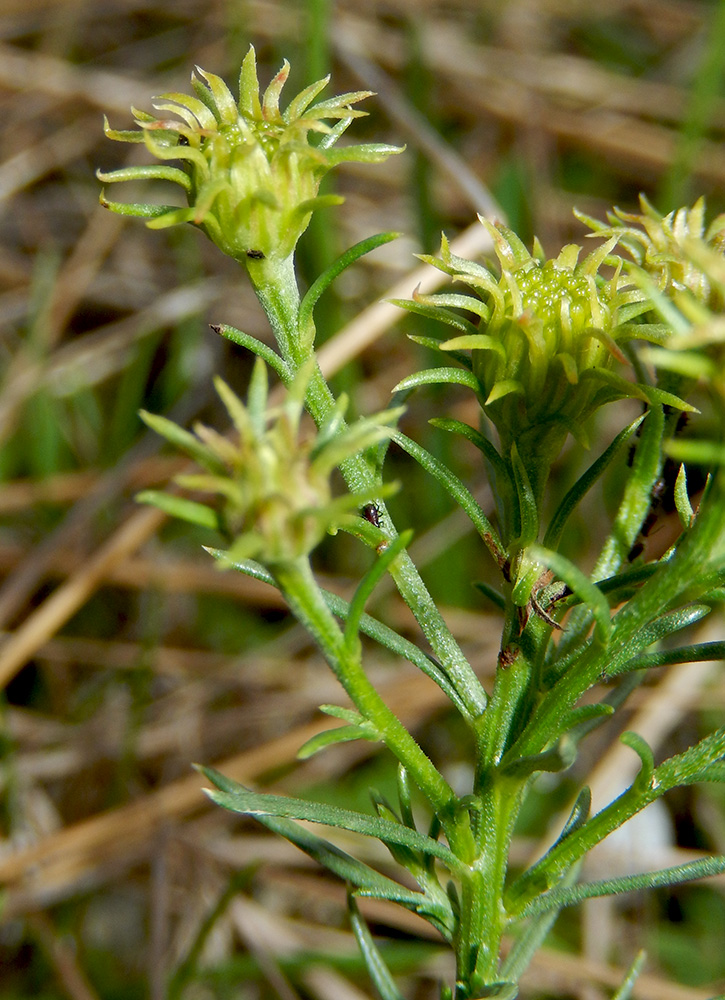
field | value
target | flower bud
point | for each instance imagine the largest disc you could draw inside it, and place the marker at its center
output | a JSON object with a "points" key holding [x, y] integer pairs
{"points": [[544, 345], [272, 484], [250, 171], [666, 247]]}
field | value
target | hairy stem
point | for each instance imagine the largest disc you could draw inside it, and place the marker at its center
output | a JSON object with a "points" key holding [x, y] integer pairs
{"points": [[276, 287]]}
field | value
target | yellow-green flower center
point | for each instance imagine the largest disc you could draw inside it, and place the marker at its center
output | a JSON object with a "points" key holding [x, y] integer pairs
{"points": [[551, 293]]}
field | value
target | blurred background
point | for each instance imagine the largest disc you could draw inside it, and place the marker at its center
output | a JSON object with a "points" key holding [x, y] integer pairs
{"points": [[125, 655]]}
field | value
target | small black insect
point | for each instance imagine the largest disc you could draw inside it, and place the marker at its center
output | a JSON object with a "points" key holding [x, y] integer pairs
{"points": [[255, 254], [371, 513]]}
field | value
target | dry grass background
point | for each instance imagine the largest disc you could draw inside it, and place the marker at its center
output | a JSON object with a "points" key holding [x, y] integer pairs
{"points": [[125, 656]]}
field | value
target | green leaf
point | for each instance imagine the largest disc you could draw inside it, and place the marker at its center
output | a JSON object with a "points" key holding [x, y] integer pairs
{"points": [[379, 972], [623, 661], [585, 482], [143, 173], [435, 376], [696, 452], [625, 990], [498, 991], [579, 813], [573, 577], [185, 510], [635, 503], [242, 800], [682, 769], [330, 737], [405, 797], [528, 509], [635, 742], [337, 267], [681, 654], [580, 721], [475, 342], [405, 857], [369, 582], [487, 449], [460, 493], [558, 758], [275, 362], [494, 596], [560, 897], [349, 869]]}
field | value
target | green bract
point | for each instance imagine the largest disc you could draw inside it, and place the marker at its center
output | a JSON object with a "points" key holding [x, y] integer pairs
{"points": [[250, 171], [273, 484]]}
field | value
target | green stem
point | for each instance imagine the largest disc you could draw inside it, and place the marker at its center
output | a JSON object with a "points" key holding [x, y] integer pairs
{"points": [[483, 917], [276, 287], [307, 603]]}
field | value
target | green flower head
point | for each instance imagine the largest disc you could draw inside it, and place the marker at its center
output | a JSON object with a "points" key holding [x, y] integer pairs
{"points": [[666, 247], [272, 482], [544, 337], [250, 171]]}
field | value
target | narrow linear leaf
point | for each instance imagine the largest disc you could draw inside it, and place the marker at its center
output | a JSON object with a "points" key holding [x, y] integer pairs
{"points": [[681, 654], [494, 596], [580, 721], [136, 210], [579, 813], [460, 493], [487, 449], [370, 152], [585, 482], [347, 868], [623, 661], [635, 502], [637, 390], [337, 267], [370, 581], [558, 758], [379, 972], [528, 508], [560, 897], [625, 990], [475, 342], [331, 737], [697, 452], [242, 800], [142, 173], [643, 750], [437, 313], [263, 351]]}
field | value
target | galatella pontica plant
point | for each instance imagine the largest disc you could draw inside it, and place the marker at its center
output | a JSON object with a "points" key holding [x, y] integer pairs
{"points": [[544, 344]]}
